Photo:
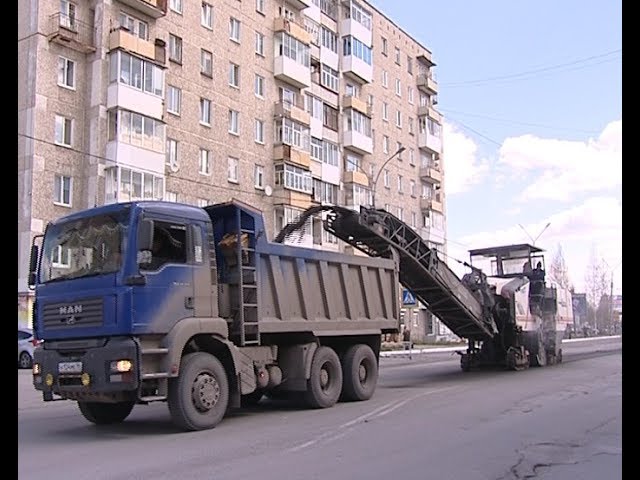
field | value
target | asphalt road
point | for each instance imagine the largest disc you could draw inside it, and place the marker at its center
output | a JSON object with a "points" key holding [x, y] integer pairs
{"points": [[427, 420]]}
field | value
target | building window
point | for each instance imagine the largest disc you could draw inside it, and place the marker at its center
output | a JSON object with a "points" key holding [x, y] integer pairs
{"points": [[385, 144], [353, 46], [316, 149], [330, 153], [385, 78], [258, 177], [63, 131], [387, 181], [66, 73], [205, 112], [258, 86], [234, 30], [234, 75], [234, 122], [136, 73], [412, 157], [137, 130], [401, 214], [399, 119], [398, 87], [410, 94], [232, 169], [290, 47], [328, 39], [259, 131], [385, 46], [398, 147], [385, 111], [409, 65], [176, 6], [397, 56], [329, 78], [172, 153], [68, 15], [206, 18], [171, 196], [174, 100], [357, 122], [288, 132], [412, 188], [175, 49], [411, 127], [62, 190], [399, 183], [330, 117], [125, 184], [260, 6], [293, 178], [414, 219], [205, 162], [260, 44], [360, 15], [206, 63], [134, 26]]}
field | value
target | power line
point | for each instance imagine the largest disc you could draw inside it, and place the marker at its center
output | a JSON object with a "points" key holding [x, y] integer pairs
{"points": [[535, 71], [514, 122], [478, 133]]}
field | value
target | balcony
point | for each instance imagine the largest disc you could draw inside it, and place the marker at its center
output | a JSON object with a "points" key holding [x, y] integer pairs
{"points": [[355, 103], [299, 4], [292, 155], [430, 112], [122, 38], [348, 26], [436, 204], [295, 112], [356, 177], [71, 32], [358, 142], [429, 141], [152, 8], [425, 59], [427, 84], [292, 72], [128, 98], [425, 204], [357, 68], [291, 197], [430, 174], [137, 157], [292, 28]]}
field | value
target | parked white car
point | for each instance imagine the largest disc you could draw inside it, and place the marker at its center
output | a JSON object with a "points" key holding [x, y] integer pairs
{"points": [[26, 344]]}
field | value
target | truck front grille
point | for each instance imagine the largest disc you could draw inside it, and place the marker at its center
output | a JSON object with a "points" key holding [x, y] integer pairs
{"points": [[87, 312]]}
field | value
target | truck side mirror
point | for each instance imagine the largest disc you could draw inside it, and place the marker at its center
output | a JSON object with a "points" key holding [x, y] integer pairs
{"points": [[145, 234], [33, 265]]}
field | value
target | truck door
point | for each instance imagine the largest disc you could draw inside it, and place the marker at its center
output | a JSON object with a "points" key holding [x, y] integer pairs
{"points": [[167, 294]]}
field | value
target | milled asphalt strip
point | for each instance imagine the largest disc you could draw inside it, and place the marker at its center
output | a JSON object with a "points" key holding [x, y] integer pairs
{"points": [[420, 351], [379, 412]]}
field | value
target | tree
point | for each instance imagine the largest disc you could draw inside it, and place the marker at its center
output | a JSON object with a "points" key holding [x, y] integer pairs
{"points": [[596, 284], [559, 272]]}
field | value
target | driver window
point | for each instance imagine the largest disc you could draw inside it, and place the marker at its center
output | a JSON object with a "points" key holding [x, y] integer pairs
{"points": [[169, 245]]}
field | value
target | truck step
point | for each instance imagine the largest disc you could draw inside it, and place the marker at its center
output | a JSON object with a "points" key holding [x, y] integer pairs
{"points": [[154, 351], [250, 305], [152, 376], [252, 342], [153, 398]]}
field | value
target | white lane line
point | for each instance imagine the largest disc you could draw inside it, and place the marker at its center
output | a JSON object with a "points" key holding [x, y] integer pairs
{"points": [[379, 412]]}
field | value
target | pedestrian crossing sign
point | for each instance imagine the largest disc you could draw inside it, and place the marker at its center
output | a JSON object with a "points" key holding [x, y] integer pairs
{"points": [[407, 297]]}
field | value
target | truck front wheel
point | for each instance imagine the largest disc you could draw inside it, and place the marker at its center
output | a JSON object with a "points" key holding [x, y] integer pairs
{"points": [[199, 396], [105, 413], [325, 383]]}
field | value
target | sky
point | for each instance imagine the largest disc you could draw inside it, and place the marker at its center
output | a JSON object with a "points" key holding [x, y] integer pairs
{"points": [[531, 95]]}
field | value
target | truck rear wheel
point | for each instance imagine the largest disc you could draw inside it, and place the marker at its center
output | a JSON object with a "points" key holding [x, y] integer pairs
{"points": [[199, 396], [359, 372], [325, 383], [105, 413]]}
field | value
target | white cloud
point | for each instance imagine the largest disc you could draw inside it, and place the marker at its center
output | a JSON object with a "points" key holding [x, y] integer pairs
{"points": [[462, 167], [597, 222], [561, 167]]}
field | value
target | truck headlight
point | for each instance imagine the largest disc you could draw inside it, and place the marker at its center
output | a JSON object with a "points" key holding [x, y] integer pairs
{"points": [[36, 369], [121, 366]]}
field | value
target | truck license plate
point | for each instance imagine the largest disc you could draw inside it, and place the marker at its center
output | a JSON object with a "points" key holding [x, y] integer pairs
{"points": [[70, 367]]}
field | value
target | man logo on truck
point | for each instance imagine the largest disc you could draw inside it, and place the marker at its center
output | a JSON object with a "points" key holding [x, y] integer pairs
{"points": [[70, 310]]}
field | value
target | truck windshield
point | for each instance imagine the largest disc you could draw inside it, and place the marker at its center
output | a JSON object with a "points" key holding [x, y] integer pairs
{"points": [[84, 247]]}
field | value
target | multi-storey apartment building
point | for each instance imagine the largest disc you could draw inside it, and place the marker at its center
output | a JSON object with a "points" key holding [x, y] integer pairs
{"points": [[278, 103]]}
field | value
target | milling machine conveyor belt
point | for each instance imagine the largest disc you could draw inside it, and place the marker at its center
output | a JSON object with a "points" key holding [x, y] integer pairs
{"points": [[421, 271]]}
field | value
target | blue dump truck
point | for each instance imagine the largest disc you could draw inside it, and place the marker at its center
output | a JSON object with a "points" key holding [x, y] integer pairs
{"points": [[156, 301]]}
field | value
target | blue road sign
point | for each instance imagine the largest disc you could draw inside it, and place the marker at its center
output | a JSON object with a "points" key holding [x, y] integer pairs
{"points": [[407, 297]]}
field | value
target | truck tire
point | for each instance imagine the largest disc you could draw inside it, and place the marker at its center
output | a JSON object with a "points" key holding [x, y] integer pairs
{"points": [[359, 372], [105, 413], [325, 383], [199, 396]]}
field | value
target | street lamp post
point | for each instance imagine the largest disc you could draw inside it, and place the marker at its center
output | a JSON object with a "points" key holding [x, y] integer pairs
{"points": [[611, 289], [375, 181]]}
